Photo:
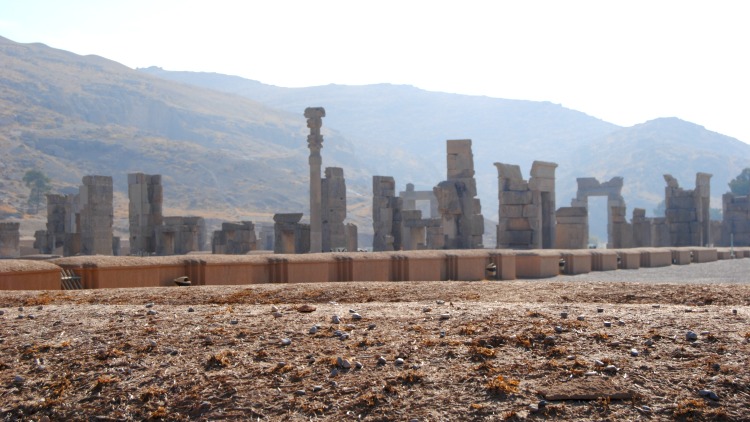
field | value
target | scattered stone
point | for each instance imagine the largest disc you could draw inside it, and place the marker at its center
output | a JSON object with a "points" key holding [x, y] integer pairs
{"points": [[716, 367], [550, 340], [350, 326], [313, 329], [20, 309], [338, 333], [656, 306], [335, 319], [234, 322], [30, 316], [600, 310], [150, 305], [343, 363], [371, 326], [274, 309], [598, 363], [382, 361], [691, 336], [2, 312], [708, 393], [649, 342], [570, 357], [591, 373], [20, 317], [533, 408], [152, 312], [646, 409], [399, 361], [352, 311], [286, 341], [614, 343], [620, 323], [317, 388], [277, 314], [334, 372], [426, 309], [344, 336], [442, 334], [688, 310], [358, 365], [734, 311], [610, 369], [356, 316], [334, 384], [445, 316], [542, 403], [306, 308], [39, 308], [705, 333], [299, 393], [440, 302], [18, 379], [191, 310], [581, 317], [608, 323], [634, 352], [558, 329]]}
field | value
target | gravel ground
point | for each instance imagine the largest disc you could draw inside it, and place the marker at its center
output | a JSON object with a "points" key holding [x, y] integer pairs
{"points": [[633, 345]]}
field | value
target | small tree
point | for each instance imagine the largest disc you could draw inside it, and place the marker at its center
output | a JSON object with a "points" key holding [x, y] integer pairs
{"points": [[39, 184], [740, 185]]}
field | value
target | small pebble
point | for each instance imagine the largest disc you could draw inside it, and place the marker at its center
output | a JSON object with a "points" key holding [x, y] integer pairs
{"points": [[191, 310], [150, 305], [591, 373], [344, 363], [558, 329], [18, 379], [399, 361], [550, 340], [611, 369], [39, 308], [533, 408], [620, 323], [352, 311], [634, 352], [152, 312], [20, 309], [274, 309], [356, 316], [335, 319], [30, 316], [649, 342], [300, 392], [688, 310], [563, 315], [313, 329], [426, 309], [234, 322], [440, 302], [708, 393], [734, 311], [598, 363], [277, 314], [646, 408], [542, 403], [358, 365], [445, 316], [581, 317], [705, 333], [3, 312], [382, 361], [317, 388], [607, 323], [656, 306], [20, 317], [371, 326], [570, 357], [344, 336], [442, 334], [600, 310], [716, 367], [690, 336], [286, 341], [334, 372]]}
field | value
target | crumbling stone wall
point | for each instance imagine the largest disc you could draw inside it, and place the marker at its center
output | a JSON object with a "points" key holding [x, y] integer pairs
{"points": [[527, 209], [10, 240], [572, 230], [687, 211], [386, 214], [145, 193], [459, 208], [97, 214], [234, 238], [291, 237], [411, 196], [180, 235], [72, 244], [735, 224]]}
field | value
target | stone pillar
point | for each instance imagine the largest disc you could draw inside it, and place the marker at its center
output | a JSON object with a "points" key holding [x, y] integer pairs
{"points": [[10, 240], [72, 241], [571, 228], [352, 242], [386, 214], [735, 224], [234, 238], [687, 211], [55, 221], [460, 209], [97, 213], [314, 116], [145, 211], [291, 237], [333, 209]]}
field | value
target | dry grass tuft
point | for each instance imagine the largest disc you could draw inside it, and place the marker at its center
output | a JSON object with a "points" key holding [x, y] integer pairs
{"points": [[219, 359], [499, 386]]}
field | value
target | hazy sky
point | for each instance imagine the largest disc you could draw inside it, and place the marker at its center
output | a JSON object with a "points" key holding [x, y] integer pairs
{"points": [[622, 61]]}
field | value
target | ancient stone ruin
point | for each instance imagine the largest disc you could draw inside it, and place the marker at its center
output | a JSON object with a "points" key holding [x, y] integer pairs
{"points": [[10, 240], [572, 228], [386, 214], [459, 208], [314, 116], [687, 211], [735, 225], [145, 211], [97, 214], [337, 236], [588, 187], [180, 235], [291, 236], [527, 209], [234, 238], [411, 196]]}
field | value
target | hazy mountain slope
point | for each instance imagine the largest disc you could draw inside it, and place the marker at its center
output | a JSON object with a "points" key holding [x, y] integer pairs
{"points": [[221, 155]]}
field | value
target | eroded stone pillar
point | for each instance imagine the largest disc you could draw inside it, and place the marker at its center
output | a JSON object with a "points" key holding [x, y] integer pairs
{"points": [[291, 237], [145, 195], [687, 211], [314, 117], [97, 214], [234, 238], [333, 209], [386, 214], [10, 240]]}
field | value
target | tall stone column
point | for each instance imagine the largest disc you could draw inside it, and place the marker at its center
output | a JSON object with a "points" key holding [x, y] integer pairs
{"points": [[314, 117]]}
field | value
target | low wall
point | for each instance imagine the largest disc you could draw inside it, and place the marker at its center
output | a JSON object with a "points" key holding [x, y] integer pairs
{"points": [[21, 274], [432, 265]]}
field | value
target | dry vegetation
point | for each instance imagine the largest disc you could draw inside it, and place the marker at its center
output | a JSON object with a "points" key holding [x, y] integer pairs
{"points": [[429, 351]]}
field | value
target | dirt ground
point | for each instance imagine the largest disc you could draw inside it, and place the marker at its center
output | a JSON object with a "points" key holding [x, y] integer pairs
{"points": [[422, 351]]}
